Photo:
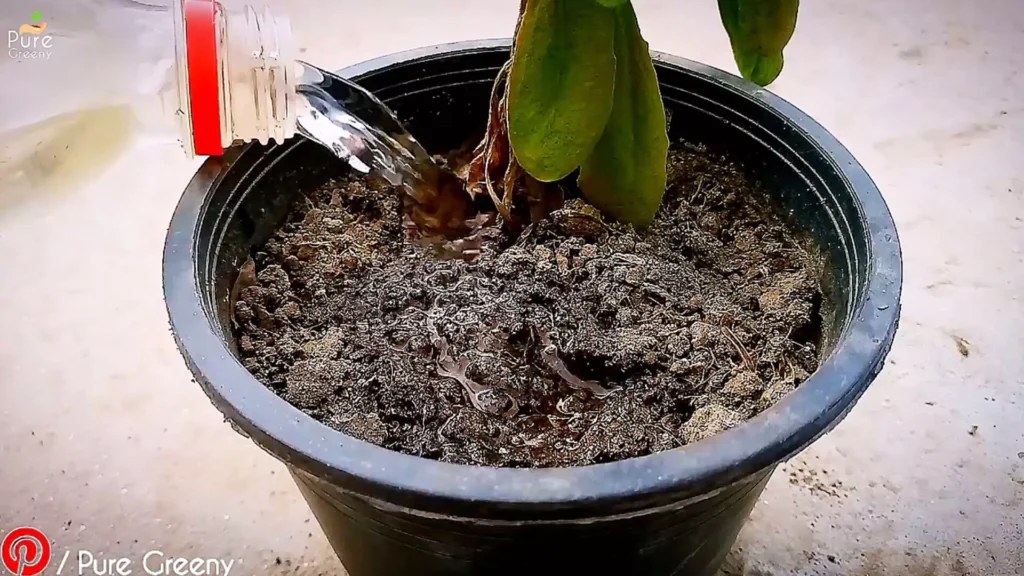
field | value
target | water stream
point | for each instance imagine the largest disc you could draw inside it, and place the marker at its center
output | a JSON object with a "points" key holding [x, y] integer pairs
{"points": [[363, 131]]}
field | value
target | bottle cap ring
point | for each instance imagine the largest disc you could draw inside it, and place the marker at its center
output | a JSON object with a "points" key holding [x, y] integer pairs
{"points": [[203, 76]]}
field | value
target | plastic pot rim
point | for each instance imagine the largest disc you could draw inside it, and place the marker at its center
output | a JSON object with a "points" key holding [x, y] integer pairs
{"points": [[692, 471]]}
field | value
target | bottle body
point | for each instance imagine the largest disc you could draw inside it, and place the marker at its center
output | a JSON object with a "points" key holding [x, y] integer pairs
{"points": [[79, 88]]}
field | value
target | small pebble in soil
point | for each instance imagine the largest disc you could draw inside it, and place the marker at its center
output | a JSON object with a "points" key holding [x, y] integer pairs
{"points": [[579, 341]]}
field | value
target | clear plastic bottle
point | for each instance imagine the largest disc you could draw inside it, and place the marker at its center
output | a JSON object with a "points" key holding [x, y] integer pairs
{"points": [[236, 74], [96, 73]]}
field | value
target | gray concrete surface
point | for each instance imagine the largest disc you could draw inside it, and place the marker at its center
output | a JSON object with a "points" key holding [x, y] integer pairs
{"points": [[107, 446]]}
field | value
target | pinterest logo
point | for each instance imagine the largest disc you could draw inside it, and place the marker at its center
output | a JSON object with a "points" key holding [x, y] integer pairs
{"points": [[26, 552]]}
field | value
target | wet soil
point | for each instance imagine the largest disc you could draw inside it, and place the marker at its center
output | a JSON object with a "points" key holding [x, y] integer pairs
{"points": [[575, 342]]}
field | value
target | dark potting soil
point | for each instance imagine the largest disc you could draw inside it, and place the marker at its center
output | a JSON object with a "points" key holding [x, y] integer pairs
{"points": [[575, 343]]}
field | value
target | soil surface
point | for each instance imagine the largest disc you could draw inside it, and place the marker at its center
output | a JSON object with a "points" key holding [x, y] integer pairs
{"points": [[576, 342]]}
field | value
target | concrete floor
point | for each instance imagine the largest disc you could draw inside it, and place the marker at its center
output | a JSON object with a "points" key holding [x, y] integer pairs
{"points": [[107, 446]]}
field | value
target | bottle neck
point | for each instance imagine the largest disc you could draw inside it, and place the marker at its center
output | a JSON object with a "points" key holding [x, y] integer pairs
{"points": [[236, 76]]}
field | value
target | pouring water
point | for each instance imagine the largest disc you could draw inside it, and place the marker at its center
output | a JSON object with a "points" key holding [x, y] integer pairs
{"points": [[364, 132]]}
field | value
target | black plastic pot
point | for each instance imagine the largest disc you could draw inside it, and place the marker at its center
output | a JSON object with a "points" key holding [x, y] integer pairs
{"points": [[676, 512]]}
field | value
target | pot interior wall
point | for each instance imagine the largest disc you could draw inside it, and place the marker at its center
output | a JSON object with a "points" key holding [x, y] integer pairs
{"points": [[443, 101]]}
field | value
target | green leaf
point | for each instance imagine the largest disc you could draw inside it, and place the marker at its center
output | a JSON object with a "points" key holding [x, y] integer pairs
{"points": [[561, 83], [759, 31], [612, 3], [37, 16], [625, 177]]}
